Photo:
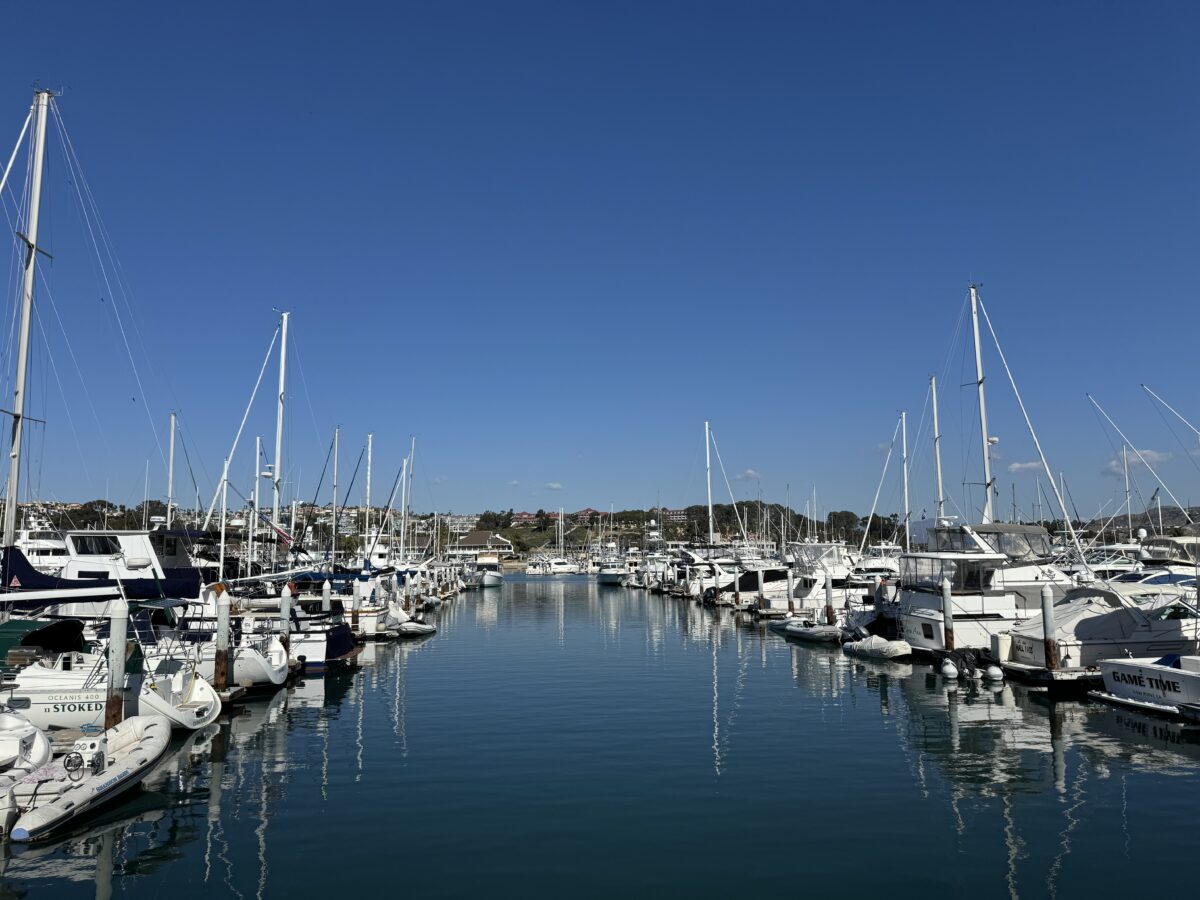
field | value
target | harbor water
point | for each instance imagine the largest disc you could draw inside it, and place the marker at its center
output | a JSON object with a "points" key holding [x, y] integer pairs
{"points": [[560, 738]]}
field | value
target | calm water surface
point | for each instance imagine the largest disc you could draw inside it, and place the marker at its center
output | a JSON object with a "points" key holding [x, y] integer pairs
{"points": [[558, 738]]}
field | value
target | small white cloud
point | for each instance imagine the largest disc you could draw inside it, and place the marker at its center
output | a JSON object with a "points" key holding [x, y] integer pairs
{"points": [[883, 446], [441, 479], [1115, 467], [513, 483], [1014, 468], [747, 475], [553, 486]]}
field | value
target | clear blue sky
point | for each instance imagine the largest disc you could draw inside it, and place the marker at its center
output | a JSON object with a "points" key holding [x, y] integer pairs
{"points": [[551, 239]]}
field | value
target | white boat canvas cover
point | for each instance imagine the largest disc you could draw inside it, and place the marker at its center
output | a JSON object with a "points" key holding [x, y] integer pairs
{"points": [[1092, 623]]}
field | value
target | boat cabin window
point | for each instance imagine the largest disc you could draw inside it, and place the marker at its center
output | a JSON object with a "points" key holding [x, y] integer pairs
{"points": [[96, 544], [927, 631], [965, 575]]}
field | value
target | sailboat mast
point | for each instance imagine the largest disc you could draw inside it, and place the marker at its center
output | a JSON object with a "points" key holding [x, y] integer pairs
{"points": [[983, 409], [367, 520], [253, 523], [412, 455], [904, 460], [337, 432], [41, 104], [937, 450], [276, 468], [708, 480], [1128, 506], [171, 473], [224, 509]]}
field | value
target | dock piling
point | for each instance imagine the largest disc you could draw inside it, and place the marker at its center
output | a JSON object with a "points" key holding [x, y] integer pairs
{"points": [[1051, 644], [118, 617], [221, 664], [947, 614]]}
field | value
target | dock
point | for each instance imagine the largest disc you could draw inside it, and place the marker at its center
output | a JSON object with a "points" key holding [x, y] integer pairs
{"points": [[1067, 680], [231, 695]]}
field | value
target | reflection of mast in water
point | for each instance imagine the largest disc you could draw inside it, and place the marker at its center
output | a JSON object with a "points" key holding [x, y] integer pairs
{"points": [[323, 727], [216, 828], [362, 684], [716, 721], [960, 827], [260, 832], [1058, 745], [739, 683], [1014, 843], [400, 701]]}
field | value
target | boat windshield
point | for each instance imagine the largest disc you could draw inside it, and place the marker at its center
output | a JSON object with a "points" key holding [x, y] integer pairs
{"points": [[954, 540], [1172, 613], [1131, 577], [822, 555]]}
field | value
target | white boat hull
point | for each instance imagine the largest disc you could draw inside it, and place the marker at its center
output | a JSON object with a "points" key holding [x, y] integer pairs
{"points": [[1145, 683], [923, 629], [75, 698]]}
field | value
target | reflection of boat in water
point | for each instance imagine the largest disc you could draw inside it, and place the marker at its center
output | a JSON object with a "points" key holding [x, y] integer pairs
{"points": [[253, 716], [163, 827]]}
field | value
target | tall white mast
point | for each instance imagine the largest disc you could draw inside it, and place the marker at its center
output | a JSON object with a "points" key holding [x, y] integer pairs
{"points": [[983, 428], [708, 479], [171, 473], [224, 505], [1128, 506], [407, 504], [254, 501], [41, 104], [904, 459], [937, 450], [276, 468], [337, 431], [403, 507], [367, 520]]}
